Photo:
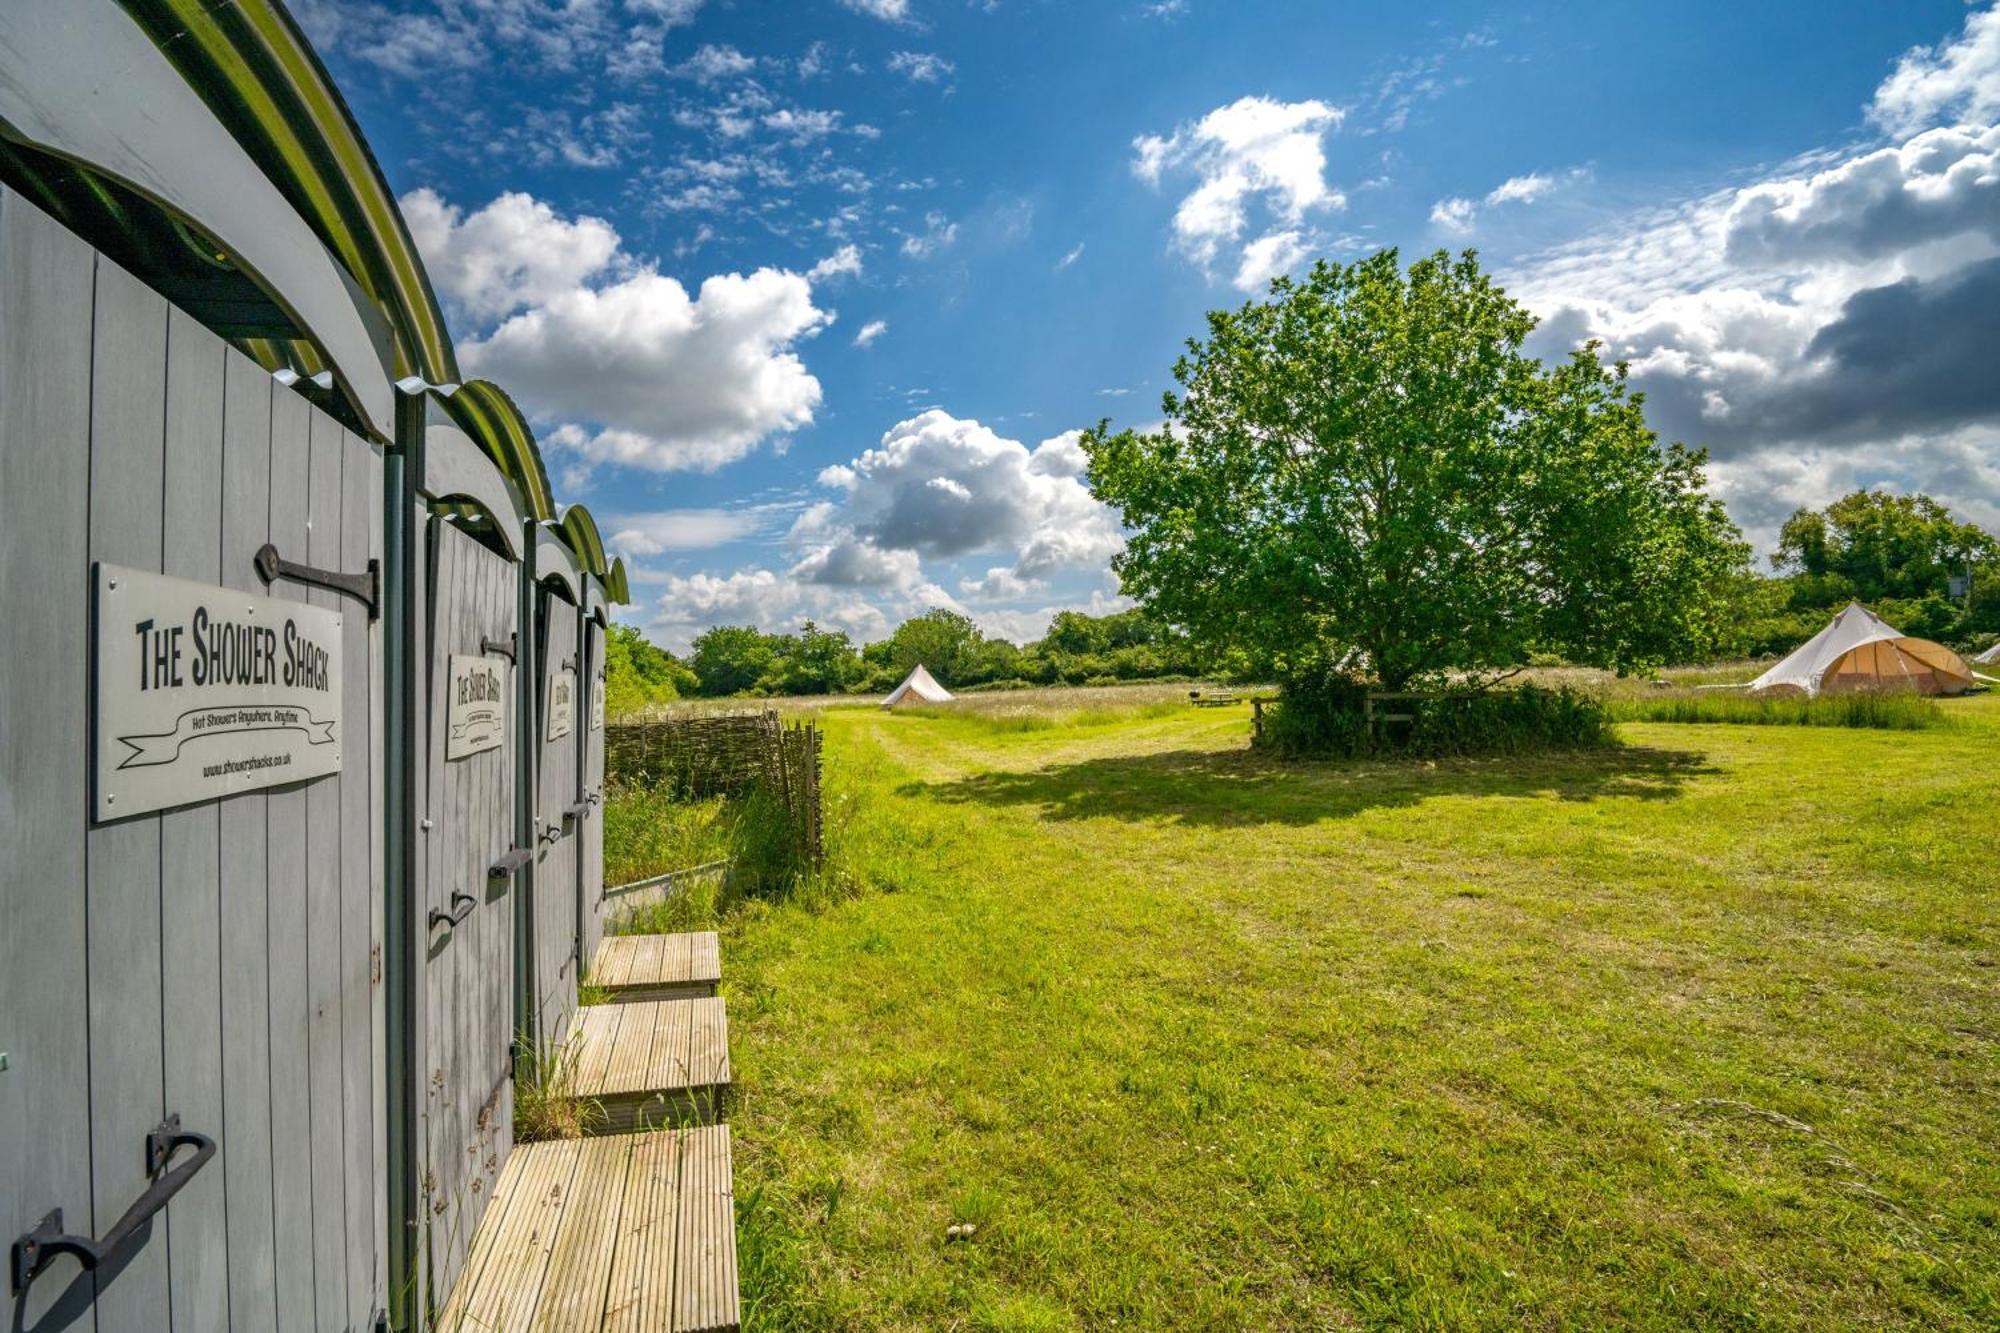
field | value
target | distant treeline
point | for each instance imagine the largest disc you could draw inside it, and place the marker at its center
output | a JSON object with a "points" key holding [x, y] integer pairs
{"points": [[1906, 557], [740, 660]]}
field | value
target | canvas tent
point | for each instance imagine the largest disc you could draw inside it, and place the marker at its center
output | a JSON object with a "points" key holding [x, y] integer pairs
{"points": [[918, 687], [1861, 651], [1990, 656]]}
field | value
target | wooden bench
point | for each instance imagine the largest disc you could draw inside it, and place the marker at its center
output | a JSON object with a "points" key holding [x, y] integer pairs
{"points": [[1213, 698], [631, 1232], [656, 967], [652, 1062]]}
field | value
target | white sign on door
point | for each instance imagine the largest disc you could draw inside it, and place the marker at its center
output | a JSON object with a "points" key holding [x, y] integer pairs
{"points": [[476, 711], [597, 703], [203, 692], [562, 703]]}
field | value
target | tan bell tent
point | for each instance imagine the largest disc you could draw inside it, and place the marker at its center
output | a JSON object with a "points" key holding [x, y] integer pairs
{"points": [[919, 687], [1861, 651]]}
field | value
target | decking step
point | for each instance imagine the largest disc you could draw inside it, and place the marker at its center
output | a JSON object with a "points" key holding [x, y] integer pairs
{"points": [[652, 1062], [657, 967], [629, 1232]]}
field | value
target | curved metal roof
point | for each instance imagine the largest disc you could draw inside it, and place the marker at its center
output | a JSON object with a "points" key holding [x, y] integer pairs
{"points": [[580, 531], [211, 250], [252, 65]]}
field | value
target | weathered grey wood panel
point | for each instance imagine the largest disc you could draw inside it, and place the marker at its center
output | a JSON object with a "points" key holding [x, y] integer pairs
{"points": [[285, 870], [360, 886], [46, 292], [377, 909], [592, 852], [323, 857], [127, 434], [467, 992], [191, 845], [246, 1160], [555, 885], [218, 960]]}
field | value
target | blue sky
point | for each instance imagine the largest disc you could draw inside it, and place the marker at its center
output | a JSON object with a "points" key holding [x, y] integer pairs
{"points": [[807, 300]]}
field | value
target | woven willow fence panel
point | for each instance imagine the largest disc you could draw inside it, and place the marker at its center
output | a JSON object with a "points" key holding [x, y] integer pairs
{"points": [[726, 754]]}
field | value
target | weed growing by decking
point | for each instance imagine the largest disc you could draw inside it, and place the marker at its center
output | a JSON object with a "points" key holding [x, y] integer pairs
{"points": [[545, 1102]]}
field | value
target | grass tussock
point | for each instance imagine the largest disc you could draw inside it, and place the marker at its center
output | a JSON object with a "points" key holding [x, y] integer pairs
{"points": [[545, 1102], [1879, 712]]}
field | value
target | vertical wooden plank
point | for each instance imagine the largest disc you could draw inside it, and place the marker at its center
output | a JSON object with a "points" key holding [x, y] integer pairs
{"points": [[323, 857], [127, 432], [246, 985], [191, 847], [360, 462], [378, 1018], [441, 975], [285, 869], [46, 290]]}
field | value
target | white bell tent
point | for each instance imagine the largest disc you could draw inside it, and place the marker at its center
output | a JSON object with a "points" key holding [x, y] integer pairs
{"points": [[1860, 651], [919, 687], [1991, 657]]}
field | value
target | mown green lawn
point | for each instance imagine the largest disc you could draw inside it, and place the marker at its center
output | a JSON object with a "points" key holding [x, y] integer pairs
{"points": [[1700, 1032]]}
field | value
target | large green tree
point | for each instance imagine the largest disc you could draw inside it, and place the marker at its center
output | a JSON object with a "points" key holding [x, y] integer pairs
{"points": [[945, 642], [729, 659], [1366, 471], [1878, 546]]}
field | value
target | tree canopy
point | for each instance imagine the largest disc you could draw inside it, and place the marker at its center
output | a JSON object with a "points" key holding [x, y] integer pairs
{"points": [[1365, 471], [1881, 546]]}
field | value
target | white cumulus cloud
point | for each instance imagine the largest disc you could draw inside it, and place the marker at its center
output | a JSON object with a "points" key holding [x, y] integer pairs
{"points": [[1255, 155], [612, 359], [1957, 79], [513, 252]]}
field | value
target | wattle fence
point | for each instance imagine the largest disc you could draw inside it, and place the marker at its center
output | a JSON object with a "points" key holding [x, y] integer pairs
{"points": [[728, 754]]}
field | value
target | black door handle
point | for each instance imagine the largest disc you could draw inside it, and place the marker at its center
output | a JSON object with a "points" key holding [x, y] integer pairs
{"points": [[458, 913], [33, 1251]]}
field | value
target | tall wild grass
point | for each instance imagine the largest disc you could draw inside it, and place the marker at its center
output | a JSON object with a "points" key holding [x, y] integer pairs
{"points": [[1885, 712]]}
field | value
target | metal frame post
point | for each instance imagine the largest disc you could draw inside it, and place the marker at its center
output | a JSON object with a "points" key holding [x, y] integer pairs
{"points": [[404, 466]]}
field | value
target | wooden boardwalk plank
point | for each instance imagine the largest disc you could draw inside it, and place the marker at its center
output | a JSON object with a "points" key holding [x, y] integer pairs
{"points": [[573, 1293], [631, 1233], [642, 1275], [705, 1296], [657, 967], [503, 1279], [653, 1062]]}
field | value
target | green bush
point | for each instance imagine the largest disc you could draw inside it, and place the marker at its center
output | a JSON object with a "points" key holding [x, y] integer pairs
{"points": [[1328, 718], [1887, 712]]}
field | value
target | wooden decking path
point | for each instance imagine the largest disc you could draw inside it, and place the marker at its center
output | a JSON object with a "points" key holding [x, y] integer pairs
{"points": [[657, 967], [653, 1062], [630, 1232]]}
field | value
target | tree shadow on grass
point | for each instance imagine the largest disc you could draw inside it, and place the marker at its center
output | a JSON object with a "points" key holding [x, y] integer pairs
{"points": [[1237, 788]]}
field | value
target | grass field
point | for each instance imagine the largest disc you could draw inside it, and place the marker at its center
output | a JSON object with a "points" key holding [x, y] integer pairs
{"points": [[1703, 1031]]}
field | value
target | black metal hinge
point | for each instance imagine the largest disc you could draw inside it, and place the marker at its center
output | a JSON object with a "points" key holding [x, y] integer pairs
{"points": [[364, 587]]}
